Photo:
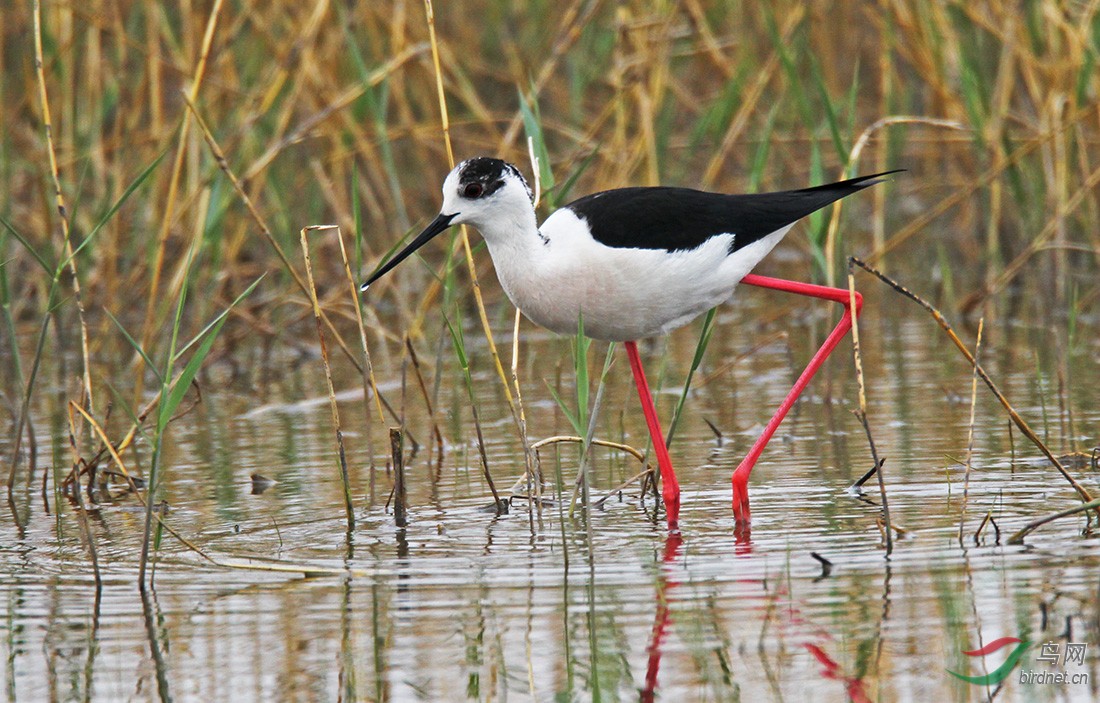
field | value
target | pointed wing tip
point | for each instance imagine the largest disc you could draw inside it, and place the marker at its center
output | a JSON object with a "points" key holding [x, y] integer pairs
{"points": [[875, 178]]}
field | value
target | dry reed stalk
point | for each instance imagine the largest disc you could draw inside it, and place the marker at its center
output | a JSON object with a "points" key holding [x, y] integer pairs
{"points": [[436, 432], [369, 384], [726, 366], [1018, 536], [349, 508], [336, 106], [465, 238], [192, 95], [970, 429], [304, 37], [853, 310], [400, 495], [115, 456], [750, 103], [1016, 419], [853, 158], [85, 528], [648, 473], [575, 20], [500, 505], [63, 213], [223, 164], [1037, 244], [578, 440], [987, 176]]}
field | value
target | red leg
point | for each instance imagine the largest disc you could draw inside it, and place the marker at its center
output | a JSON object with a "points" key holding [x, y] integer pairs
{"points": [[670, 487], [838, 295]]}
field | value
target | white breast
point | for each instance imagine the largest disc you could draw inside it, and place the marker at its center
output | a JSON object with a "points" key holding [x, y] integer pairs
{"points": [[623, 294]]}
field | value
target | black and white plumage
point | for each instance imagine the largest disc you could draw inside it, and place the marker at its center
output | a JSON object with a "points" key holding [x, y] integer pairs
{"points": [[634, 262]]}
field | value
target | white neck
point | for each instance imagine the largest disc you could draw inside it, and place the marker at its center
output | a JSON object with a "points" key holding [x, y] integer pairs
{"points": [[516, 247]]}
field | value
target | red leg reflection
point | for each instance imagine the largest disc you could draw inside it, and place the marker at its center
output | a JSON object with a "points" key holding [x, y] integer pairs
{"points": [[662, 618], [831, 670]]}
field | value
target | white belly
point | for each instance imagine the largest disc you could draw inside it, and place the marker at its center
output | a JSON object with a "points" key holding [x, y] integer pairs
{"points": [[622, 294]]}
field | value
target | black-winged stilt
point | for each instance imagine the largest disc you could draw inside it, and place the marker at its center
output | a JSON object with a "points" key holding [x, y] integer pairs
{"points": [[634, 263]]}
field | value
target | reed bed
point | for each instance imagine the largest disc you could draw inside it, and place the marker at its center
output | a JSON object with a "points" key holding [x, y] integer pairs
{"points": [[149, 150]]}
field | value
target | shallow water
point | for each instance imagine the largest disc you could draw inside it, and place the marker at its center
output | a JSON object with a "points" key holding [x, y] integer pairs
{"points": [[464, 604]]}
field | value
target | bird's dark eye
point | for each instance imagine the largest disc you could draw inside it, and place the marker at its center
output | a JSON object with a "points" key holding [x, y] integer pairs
{"points": [[472, 190]]}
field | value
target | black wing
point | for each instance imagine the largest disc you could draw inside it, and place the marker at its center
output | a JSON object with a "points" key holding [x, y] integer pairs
{"points": [[681, 218]]}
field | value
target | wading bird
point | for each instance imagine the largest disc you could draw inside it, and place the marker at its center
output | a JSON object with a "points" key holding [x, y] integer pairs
{"points": [[634, 263]]}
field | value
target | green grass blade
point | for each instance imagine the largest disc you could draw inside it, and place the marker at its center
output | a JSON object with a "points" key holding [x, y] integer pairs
{"points": [[27, 245], [141, 178], [760, 158], [459, 344], [561, 192], [574, 421], [207, 336], [532, 126], [217, 321], [832, 121], [580, 368], [136, 346], [700, 348]]}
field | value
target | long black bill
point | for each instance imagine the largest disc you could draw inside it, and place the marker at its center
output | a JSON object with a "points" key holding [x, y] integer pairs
{"points": [[438, 225]]}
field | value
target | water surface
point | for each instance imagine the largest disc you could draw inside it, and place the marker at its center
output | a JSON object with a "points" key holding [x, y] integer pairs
{"points": [[465, 604]]}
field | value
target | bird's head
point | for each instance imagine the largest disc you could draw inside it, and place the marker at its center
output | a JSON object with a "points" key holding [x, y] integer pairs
{"points": [[478, 192]]}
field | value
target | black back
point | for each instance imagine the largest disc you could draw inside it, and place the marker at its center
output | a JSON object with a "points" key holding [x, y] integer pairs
{"points": [[681, 218]]}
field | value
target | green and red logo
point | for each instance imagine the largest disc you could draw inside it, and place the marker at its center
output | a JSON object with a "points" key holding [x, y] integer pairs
{"points": [[1001, 671]]}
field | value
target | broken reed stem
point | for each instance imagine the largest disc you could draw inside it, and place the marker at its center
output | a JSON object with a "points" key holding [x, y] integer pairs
{"points": [[369, 384], [648, 472], [575, 439], [400, 495], [223, 164], [344, 478], [862, 414], [497, 502], [970, 431], [59, 197], [1027, 529], [85, 528], [436, 432], [116, 457], [853, 157], [987, 520], [1016, 419]]}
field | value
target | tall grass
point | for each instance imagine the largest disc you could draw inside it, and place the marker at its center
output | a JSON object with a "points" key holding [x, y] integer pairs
{"points": [[332, 113]]}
